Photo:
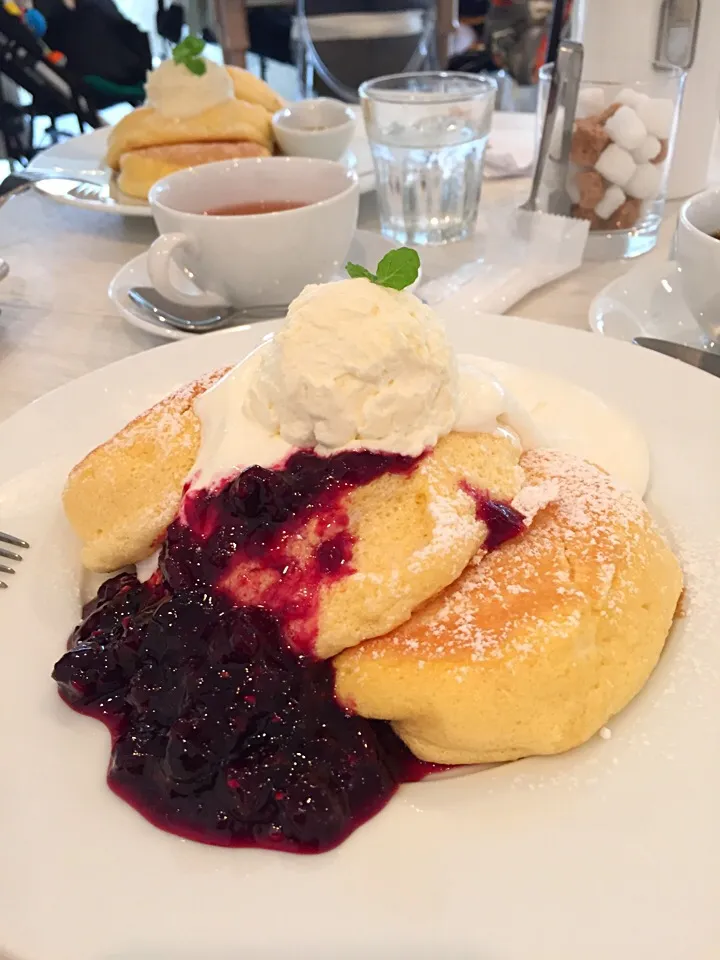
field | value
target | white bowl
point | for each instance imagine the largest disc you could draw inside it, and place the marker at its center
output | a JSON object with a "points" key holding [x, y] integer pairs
{"points": [[321, 128]]}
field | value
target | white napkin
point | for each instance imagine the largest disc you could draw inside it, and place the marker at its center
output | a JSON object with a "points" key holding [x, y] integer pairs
{"points": [[510, 153], [514, 253], [511, 149]]}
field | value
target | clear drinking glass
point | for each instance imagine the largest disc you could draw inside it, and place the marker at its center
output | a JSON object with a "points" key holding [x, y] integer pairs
{"points": [[620, 187], [428, 133]]}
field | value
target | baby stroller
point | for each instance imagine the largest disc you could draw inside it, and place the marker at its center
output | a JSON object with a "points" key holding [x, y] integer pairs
{"points": [[49, 89]]}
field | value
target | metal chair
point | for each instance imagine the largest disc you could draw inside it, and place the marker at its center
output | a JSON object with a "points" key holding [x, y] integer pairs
{"points": [[342, 43]]}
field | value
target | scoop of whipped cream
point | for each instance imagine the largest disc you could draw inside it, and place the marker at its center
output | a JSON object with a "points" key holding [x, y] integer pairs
{"points": [[357, 365], [176, 92]]}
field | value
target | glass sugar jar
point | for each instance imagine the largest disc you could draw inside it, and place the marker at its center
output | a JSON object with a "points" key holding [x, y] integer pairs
{"points": [[623, 136]]}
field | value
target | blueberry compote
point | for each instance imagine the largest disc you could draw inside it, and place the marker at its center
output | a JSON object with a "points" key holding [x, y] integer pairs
{"points": [[225, 728], [502, 520]]}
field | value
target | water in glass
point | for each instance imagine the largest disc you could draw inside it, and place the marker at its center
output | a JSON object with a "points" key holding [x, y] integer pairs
{"points": [[429, 177], [428, 133]]}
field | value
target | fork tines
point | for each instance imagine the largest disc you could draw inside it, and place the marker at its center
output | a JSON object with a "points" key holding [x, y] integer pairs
{"points": [[10, 554], [87, 191]]}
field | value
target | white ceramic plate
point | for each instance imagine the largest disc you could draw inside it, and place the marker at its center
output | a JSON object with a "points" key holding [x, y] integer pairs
{"points": [[82, 157], [646, 302], [611, 850], [366, 249]]}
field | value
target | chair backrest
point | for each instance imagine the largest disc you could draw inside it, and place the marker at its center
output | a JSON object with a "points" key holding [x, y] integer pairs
{"points": [[349, 41]]}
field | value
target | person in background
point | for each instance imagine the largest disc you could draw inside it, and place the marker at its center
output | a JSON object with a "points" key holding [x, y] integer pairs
{"points": [[472, 55], [516, 34], [509, 35]]}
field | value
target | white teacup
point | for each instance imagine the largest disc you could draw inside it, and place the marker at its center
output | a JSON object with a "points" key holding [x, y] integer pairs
{"points": [[252, 259], [698, 255]]}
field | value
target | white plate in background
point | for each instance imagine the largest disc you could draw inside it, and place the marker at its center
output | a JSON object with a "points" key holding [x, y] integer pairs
{"points": [[82, 157]]}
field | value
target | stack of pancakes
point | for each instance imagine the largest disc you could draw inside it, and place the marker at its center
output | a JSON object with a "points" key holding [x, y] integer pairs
{"points": [[146, 146], [472, 656]]}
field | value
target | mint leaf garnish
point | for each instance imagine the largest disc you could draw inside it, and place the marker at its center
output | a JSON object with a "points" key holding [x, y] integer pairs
{"points": [[194, 45], [196, 66], [354, 270], [397, 269], [188, 51]]}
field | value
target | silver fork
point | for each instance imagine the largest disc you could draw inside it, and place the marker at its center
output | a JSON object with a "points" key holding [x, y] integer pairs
{"points": [[47, 182], [90, 191], [9, 554]]}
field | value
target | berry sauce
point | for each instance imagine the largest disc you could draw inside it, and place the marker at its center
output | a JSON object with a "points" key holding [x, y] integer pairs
{"points": [[503, 521], [270, 538], [225, 728]]}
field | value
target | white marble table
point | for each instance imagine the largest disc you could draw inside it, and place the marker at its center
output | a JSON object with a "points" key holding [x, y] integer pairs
{"points": [[56, 322]]}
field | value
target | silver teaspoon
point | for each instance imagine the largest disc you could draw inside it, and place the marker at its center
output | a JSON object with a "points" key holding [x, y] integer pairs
{"points": [[198, 319]]}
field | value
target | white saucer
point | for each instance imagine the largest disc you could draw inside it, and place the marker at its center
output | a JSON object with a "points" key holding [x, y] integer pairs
{"points": [[647, 302], [366, 249]]}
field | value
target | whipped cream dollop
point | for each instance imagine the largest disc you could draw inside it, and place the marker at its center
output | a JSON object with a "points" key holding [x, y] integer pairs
{"points": [[360, 366], [357, 365], [174, 91], [575, 420], [230, 438]]}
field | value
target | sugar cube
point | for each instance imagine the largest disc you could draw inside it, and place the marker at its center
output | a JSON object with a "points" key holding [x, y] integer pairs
{"points": [[645, 182], [590, 101], [588, 142], [648, 150], [657, 115], [662, 156], [571, 186], [608, 112], [630, 98], [614, 198], [582, 213], [616, 165], [626, 128], [592, 188], [626, 216]]}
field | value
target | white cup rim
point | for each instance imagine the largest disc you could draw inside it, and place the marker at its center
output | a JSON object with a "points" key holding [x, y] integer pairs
{"points": [[690, 203], [350, 177]]}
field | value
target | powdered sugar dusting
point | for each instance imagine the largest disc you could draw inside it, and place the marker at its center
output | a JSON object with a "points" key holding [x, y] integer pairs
{"points": [[453, 523], [166, 434], [497, 609], [533, 498], [456, 531], [166, 423]]}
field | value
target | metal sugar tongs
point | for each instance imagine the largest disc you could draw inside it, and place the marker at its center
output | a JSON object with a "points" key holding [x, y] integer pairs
{"points": [[563, 94]]}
